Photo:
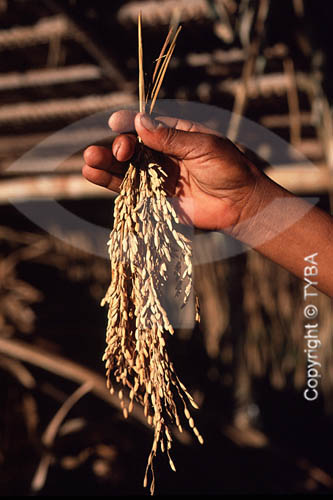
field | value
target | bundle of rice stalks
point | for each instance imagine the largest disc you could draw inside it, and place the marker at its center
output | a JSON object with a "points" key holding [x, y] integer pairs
{"points": [[145, 247]]}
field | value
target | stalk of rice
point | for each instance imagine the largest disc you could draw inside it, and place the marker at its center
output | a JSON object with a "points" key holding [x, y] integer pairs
{"points": [[144, 246]]}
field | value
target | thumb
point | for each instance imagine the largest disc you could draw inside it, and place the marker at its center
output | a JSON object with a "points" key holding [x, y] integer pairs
{"points": [[156, 135]]}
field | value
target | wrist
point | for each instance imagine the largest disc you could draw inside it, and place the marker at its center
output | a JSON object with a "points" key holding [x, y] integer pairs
{"points": [[263, 213], [252, 201]]}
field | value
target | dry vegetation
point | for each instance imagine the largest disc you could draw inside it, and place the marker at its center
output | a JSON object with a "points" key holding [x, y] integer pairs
{"points": [[62, 432], [145, 247]]}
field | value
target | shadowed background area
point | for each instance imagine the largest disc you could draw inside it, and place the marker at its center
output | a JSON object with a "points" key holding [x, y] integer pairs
{"points": [[65, 66]]}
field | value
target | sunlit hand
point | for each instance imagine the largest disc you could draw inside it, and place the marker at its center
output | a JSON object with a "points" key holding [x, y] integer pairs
{"points": [[210, 180]]}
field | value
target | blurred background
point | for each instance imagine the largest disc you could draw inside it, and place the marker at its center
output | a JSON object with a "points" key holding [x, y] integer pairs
{"points": [[61, 433]]}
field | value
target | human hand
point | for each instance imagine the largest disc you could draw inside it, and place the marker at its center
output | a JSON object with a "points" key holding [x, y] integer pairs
{"points": [[211, 182]]}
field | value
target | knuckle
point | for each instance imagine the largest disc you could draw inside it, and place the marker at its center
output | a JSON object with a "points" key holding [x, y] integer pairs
{"points": [[192, 127], [214, 142], [168, 137]]}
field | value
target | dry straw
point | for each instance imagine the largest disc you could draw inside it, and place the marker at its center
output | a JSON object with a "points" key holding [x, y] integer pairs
{"points": [[145, 247]]}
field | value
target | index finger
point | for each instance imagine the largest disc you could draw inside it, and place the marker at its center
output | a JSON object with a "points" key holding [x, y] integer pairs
{"points": [[123, 121]]}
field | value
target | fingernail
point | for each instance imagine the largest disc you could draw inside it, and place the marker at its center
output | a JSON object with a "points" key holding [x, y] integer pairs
{"points": [[110, 120], [148, 122], [116, 150]]}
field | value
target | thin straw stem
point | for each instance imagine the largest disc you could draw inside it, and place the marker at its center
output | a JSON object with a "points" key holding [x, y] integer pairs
{"points": [[141, 73], [160, 57], [162, 71]]}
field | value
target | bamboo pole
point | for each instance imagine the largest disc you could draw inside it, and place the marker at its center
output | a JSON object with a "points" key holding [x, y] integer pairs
{"points": [[63, 108], [42, 32], [49, 76], [298, 179]]}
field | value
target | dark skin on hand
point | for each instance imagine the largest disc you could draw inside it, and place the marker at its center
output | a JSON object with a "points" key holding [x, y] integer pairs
{"points": [[214, 186]]}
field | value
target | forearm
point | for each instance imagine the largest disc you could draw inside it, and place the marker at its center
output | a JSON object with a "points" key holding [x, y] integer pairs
{"points": [[287, 230]]}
